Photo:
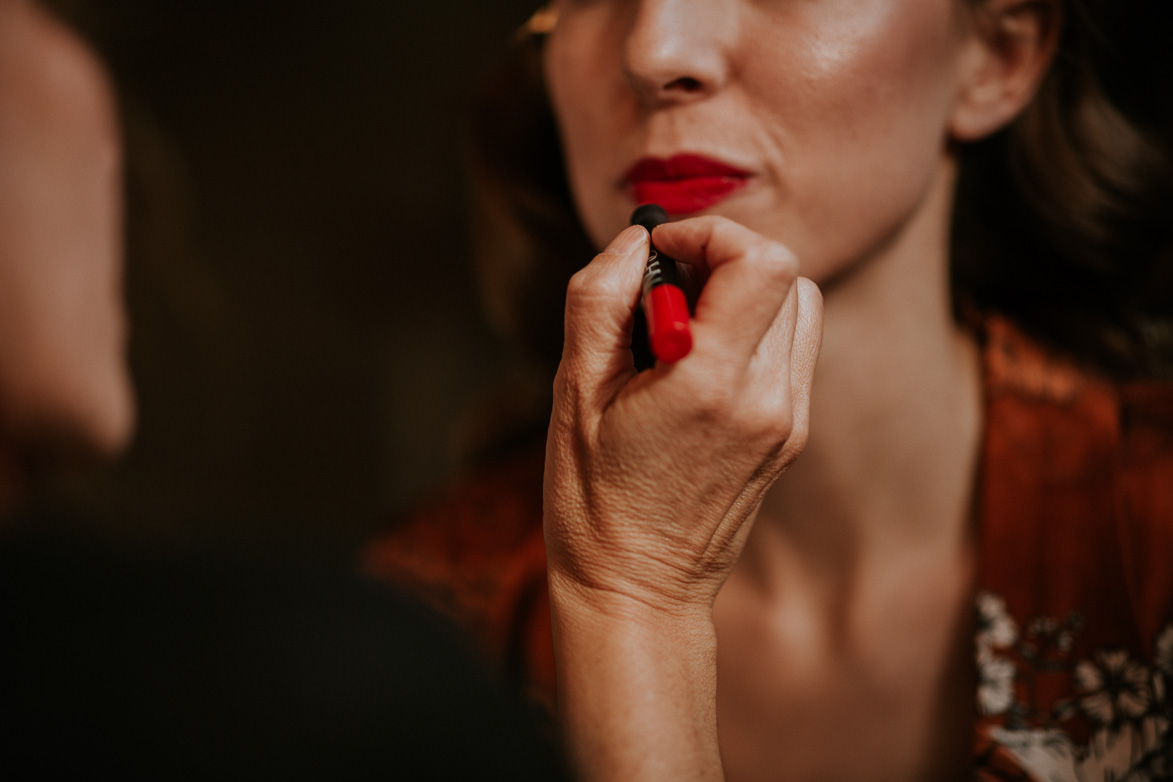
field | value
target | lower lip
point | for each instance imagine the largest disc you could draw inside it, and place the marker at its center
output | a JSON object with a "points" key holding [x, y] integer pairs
{"points": [[685, 196]]}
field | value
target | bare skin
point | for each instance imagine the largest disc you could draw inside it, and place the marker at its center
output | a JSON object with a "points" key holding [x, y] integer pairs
{"points": [[64, 384], [836, 633], [861, 557]]}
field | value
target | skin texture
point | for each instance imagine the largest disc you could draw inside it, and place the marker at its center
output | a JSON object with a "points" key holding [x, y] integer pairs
{"points": [[846, 122], [64, 385], [821, 606], [752, 282]]}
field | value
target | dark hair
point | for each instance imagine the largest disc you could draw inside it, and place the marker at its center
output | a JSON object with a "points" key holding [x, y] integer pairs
{"points": [[1062, 220], [527, 237]]}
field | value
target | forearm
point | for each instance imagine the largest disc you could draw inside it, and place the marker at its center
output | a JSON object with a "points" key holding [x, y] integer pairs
{"points": [[636, 689]]}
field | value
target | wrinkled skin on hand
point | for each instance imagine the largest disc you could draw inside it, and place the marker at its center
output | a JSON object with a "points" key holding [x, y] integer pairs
{"points": [[652, 479]]}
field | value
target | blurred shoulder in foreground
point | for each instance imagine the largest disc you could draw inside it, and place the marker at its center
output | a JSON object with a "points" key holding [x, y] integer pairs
{"points": [[133, 664], [176, 667]]}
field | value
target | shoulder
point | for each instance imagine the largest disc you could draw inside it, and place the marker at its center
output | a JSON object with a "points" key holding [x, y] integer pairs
{"points": [[1031, 390], [1077, 480], [476, 552], [172, 666], [1075, 604]]}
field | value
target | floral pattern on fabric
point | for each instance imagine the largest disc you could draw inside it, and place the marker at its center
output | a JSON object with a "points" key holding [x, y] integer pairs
{"points": [[1115, 726]]}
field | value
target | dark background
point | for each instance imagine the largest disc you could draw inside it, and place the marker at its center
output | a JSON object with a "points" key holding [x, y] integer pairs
{"points": [[307, 342]]}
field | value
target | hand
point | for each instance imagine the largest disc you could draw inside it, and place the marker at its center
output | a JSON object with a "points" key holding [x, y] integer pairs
{"points": [[652, 479]]}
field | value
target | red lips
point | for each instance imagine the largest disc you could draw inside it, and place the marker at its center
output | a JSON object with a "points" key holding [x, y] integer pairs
{"points": [[683, 184]]}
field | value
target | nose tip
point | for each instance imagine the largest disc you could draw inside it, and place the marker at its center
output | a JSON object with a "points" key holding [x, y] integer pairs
{"points": [[684, 84], [674, 53]]}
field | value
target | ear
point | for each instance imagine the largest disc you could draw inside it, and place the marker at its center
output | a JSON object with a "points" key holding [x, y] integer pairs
{"points": [[1011, 46]]}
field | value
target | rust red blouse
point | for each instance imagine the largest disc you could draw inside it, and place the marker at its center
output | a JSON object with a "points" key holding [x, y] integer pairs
{"points": [[1074, 640]]}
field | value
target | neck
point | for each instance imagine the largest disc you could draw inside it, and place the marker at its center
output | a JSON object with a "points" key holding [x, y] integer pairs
{"points": [[895, 412]]}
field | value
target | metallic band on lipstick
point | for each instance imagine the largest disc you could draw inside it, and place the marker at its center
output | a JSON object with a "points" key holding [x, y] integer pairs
{"points": [[663, 300]]}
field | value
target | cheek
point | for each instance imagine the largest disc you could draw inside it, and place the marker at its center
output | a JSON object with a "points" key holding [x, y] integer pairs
{"points": [[881, 69], [856, 117], [589, 110]]}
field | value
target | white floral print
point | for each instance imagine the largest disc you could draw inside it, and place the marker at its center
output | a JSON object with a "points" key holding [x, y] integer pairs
{"points": [[996, 628], [995, 685], [1123, 700], [1117, 688], [1053, 756]]}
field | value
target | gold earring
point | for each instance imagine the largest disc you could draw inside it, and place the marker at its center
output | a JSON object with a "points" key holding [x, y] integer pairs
{"points": [[541, 23]]}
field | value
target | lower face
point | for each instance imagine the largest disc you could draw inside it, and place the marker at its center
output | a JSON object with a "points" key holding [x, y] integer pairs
{"points": [[829, 118]]}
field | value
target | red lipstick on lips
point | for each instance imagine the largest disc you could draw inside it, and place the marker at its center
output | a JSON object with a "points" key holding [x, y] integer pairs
{"points": [[684, 184]]}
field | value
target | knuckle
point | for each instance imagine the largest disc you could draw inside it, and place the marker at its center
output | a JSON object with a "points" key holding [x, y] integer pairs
{"points": [[810, 294], [771, 420], [772, 262], [706, 225], [581, 284], [729, 236], [565, 389], [783, 265], [569, 387], [798, 437], [809, 329], [562, 382], [588, 285], [810, 304], [720, 228], [713, 403]]}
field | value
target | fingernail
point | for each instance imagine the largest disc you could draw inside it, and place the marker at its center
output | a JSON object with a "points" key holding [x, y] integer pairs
{"points": [[628, 239]]}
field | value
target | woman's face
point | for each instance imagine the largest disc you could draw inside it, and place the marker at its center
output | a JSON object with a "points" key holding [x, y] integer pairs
{"points": [[820, 123]]}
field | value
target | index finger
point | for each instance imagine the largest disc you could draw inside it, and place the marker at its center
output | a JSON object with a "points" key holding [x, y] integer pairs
{"points": [[750, 277]]}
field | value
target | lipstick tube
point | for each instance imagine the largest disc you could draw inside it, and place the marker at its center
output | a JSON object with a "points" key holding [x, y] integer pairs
{"points": [[663, 300]]}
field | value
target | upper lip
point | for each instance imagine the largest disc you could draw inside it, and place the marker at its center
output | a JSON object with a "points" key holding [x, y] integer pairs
{"points": [[677, 167]]}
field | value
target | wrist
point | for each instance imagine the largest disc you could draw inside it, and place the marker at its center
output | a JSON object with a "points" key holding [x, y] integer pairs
{"points": [[636, 685], [607, 605]]}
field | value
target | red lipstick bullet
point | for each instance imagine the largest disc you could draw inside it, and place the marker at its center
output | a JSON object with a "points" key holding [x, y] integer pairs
{"points": [[663, 300]]}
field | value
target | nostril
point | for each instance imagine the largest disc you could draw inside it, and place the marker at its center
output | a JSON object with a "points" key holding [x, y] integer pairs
{"points": [[684, 84]]}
